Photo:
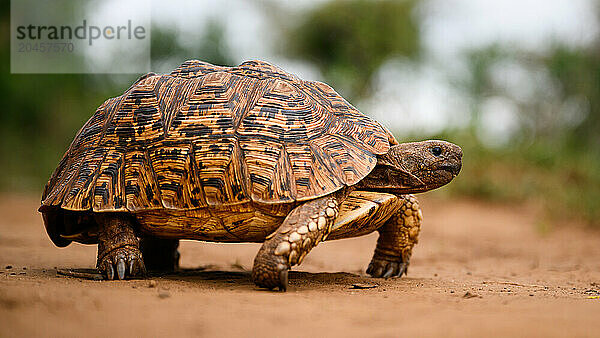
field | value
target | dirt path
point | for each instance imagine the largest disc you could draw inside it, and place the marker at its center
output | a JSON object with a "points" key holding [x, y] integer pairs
{"points": [[480, 270]]}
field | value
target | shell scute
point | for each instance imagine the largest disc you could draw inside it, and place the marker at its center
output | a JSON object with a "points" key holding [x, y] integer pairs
{"points": [[221, 176], [141, 189], [137, 120], [178, 185]]}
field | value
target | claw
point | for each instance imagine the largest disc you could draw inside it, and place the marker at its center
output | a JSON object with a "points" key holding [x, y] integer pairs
{"points": [[403, 269], [370, 269], [390, 271], [379, 268], [122, 263], [283, 278], [110, 272], [141, 268], [121, 268]]}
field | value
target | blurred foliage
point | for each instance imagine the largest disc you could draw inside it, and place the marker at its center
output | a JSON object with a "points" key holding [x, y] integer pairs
{"points": [[553, 159], [350, 39], [563, 106], [168, 51], [212, 47], [577, 71]]}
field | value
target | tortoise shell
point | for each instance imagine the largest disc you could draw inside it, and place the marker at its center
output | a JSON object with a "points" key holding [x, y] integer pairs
{"points": [[206, 135]]}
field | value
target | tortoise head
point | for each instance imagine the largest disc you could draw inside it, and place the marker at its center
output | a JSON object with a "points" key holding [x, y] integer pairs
{"points": [[415, 167]]}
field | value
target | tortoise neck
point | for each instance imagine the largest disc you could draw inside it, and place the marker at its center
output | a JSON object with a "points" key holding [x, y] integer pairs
{"points": [[385, 178]]}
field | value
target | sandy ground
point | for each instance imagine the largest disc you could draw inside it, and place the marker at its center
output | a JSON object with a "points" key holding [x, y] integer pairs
{"points": [[479, 270]]}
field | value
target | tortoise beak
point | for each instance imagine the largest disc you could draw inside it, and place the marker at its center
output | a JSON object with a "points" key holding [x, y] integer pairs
{"points": [[454, 162], [454, 168]]}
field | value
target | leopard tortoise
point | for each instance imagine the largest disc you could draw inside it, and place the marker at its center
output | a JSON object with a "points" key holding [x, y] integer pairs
{"points": [[238, 154]]}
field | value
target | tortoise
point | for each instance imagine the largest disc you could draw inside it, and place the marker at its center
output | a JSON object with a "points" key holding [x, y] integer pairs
{"points": [[238, 154]]}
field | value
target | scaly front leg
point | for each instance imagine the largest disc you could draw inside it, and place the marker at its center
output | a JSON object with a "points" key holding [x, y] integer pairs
{"points": [[304, 227], [119, 253], [396, 240]]}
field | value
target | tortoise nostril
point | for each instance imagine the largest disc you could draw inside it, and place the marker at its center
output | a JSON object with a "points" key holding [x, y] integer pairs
{"points": [[457, 168]]}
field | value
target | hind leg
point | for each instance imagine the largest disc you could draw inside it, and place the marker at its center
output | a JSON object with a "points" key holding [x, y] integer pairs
{"points": [[397, 238], [160, 254], [119, 254]]}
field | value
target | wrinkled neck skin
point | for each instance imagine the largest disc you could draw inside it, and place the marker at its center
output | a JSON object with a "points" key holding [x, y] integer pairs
{"points": [[414, 167], [385, 180]]}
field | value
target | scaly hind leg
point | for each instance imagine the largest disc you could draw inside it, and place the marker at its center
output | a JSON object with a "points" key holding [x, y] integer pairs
{"points": [[396, 240], [301, 231], [119, 254], [160, 255]]}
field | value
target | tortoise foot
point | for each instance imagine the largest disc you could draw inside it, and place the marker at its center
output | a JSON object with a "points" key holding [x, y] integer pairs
{"points": [[122, 263], [385, 268], [270, 272]]}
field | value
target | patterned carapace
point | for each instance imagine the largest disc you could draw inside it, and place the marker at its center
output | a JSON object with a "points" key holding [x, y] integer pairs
{"points": [[211, 136]]}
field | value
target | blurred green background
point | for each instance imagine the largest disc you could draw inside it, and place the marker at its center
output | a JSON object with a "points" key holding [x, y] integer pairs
{"points": [[518, 90]]}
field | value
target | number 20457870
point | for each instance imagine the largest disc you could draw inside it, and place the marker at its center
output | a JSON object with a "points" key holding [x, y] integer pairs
{"points": [[45, 47]]}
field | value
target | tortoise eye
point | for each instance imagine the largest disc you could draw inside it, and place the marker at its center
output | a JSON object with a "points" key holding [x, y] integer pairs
{"points": [[437, 151]]}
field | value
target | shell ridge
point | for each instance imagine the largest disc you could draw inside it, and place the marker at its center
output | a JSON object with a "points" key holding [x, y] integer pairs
{"points": [[108, 119], [171, 159], [238, 154], [172, 113], [335, 170], [195, 173], [257, 94], [282, 178], [245, 173], [251, 99], [360, 174], [89, 191], [64, 181], [290, 173], [162, 104], [113, 188], [154, 176]]}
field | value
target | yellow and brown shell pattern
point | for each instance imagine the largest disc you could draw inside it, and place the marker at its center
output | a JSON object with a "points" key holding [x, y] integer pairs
{"points": [[215, 153]]}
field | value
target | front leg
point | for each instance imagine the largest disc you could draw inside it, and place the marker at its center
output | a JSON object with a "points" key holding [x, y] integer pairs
{"points": [[119, 253], [396, 240], [303, 228]]}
